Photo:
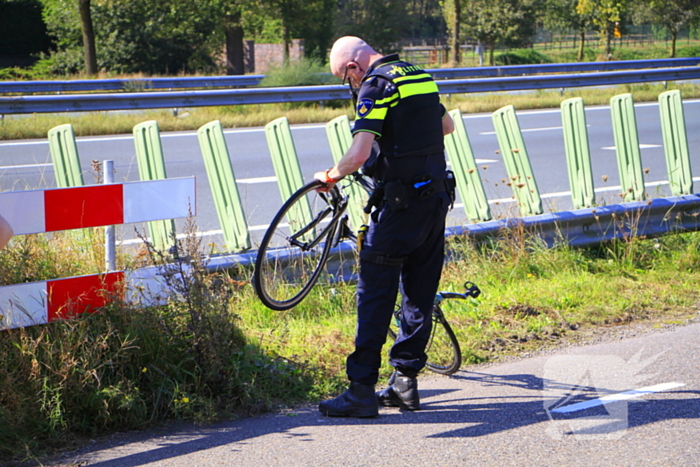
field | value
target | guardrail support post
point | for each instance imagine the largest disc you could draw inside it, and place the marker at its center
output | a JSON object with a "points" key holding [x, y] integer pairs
{"points": [[469, 184], [223, 185], [680, 175], [149, 154], [629, 159], [339, 137], [521, 177], [64, 154], [286, 163], [573, 119]]}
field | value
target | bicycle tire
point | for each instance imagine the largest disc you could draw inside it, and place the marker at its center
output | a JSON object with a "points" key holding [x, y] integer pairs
{"points": [[293, 252], [443, 350]]}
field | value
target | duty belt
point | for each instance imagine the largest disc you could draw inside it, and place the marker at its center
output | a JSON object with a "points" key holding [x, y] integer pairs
{"points": [[397, 195]]}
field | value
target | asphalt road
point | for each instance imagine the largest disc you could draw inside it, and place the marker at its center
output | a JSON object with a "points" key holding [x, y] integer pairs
{"points": [[631, 400], [27, 164]]}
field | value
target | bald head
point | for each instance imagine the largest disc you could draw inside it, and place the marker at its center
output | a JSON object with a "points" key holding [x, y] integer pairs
{"points": [[351, 49]]}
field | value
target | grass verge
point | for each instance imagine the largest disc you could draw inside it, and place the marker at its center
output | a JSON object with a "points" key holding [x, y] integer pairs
{"points": [[213, 350]]}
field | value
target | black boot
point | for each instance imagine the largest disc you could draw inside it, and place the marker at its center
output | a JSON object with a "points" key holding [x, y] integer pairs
{"points": [[402, 393], [358, 401]]}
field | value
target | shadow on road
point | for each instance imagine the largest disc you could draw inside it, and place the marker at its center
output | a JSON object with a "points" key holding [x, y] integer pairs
{"points": [[474, 416]]}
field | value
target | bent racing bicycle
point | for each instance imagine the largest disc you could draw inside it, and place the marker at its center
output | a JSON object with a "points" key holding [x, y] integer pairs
{"points": [[297, 245]]}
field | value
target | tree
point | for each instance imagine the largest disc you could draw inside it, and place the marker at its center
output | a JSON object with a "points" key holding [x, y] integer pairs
{"points": [[88, 37], [424, 19], [382, 23], [563, 15], [607, 16], [23, 31], [452, 11], [149, 36], [316, 28], [236, 16], [674, 15], [510, 22]]}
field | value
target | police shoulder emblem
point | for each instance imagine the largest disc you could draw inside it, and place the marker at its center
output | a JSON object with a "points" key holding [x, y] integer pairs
{"points": [[364, 107]]}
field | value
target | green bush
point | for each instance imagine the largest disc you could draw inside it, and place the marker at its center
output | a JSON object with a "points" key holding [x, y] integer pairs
{"points": [[304, 72], [521, 57], [129, 367], [688, 51]]}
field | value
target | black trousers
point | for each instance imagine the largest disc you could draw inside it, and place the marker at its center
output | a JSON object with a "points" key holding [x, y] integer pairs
{"points": [[416, 234]]}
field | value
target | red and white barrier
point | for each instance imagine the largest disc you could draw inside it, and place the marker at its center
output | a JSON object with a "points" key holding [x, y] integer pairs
{"points": [[23, 305], [81, 207], [38, 211]]}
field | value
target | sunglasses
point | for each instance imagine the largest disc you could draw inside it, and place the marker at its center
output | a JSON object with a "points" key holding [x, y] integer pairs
{"points": [[346, 78]]}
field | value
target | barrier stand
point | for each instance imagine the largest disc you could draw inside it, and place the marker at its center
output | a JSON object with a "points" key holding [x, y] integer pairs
{"points": [[110, 241], [680, 174], [149, 154], [286, 164], [339, 137], [469, 184], [64, 155], [39, 211], [224, 189], [521, 178], [578, 155], [629, 159]]}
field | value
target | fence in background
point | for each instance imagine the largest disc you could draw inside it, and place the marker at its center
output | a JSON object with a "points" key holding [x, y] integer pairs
{"points": [[203, 98], [209, 82]]}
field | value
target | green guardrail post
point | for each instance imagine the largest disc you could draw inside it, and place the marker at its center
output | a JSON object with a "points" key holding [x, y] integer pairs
{"points": [[578, 154], [339, 137], [680, 174], [223, 185], [149, 154], [64, 155], [469, 184], [629, 159], [517, 163], [286, 164]]}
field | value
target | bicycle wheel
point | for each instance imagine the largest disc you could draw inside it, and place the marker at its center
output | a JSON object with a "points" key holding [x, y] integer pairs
{"points": [[443, 350], [296, 245]]}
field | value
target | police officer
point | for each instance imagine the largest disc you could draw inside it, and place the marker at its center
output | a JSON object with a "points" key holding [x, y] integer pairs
{"points": [[398, 105]]}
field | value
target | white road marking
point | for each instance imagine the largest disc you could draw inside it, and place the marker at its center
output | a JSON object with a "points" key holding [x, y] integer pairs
{"points": [[252, 181], [527, 130], [622, 396], [641, 146]]}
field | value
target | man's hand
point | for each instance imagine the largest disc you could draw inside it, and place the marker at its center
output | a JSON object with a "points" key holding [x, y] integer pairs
{"points": [[329, 182]]}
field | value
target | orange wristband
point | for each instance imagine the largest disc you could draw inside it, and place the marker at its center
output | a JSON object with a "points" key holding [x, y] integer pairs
{"points": [[329, 179]]}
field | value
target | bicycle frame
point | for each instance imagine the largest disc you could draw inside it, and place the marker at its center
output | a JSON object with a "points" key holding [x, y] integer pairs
{"points": [[336, 199]]}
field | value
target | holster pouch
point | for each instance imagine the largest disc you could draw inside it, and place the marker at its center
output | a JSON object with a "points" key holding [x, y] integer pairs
{"points": [[450, 187], [396, 195], [375, 198]]}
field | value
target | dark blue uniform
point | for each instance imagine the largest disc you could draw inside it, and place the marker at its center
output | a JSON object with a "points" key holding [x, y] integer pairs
{"points": [[404, 245]]}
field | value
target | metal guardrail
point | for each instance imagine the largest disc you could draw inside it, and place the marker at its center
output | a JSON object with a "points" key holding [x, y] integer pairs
{"points": [[145, 84], [579, 228], [509, 70], [184, 99], [133, 84]]}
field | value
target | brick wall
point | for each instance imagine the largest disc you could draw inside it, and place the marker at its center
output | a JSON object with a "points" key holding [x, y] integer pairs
{"points": [[265, 55]]}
